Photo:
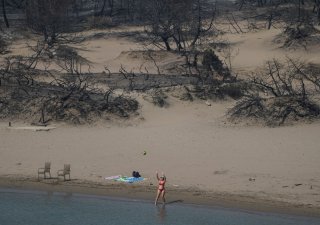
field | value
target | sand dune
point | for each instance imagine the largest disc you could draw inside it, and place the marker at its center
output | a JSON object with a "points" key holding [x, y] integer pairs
{"points": [[249, 51]]}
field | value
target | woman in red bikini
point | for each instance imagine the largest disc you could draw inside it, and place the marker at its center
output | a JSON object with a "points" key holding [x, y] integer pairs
{"points": [[161, 190]]}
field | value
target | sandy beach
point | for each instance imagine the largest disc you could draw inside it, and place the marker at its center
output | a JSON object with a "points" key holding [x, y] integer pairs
{"points": [[206, 160]]}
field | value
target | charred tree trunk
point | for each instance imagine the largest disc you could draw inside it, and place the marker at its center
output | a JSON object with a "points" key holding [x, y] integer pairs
{"points": [[103, 7], [111, 5], [241, 4], [270, 18], [316, 9], [3, 2], [166, 42], [299, 11]]}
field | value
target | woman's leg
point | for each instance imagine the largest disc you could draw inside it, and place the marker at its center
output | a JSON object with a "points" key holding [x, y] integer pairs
{"points": [[163, 194], [157, 197]]}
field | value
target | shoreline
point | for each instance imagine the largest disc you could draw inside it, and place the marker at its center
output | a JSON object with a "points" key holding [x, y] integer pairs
{"points": [[143, 192]]}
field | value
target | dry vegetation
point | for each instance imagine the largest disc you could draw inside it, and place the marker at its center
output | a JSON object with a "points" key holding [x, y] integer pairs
{"points": [[70, 96], [278, 93], [281, 92]]}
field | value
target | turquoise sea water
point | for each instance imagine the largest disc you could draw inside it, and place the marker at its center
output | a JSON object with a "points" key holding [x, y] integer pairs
{"points": [[41, 208]]}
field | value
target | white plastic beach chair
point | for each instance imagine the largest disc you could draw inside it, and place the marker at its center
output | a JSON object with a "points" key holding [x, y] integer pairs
{"points": [[66, 171], [45, 170]]}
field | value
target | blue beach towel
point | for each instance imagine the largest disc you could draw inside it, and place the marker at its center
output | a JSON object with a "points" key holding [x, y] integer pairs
{"points": [[130, 179]]}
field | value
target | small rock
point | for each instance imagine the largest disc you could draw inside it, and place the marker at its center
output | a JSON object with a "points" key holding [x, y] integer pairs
{"points": [[252, 179], [208, 103]]}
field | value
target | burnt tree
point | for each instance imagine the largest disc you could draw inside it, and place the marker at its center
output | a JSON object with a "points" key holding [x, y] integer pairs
{"points": [[178, 24], [4, 13], [48, 17]]}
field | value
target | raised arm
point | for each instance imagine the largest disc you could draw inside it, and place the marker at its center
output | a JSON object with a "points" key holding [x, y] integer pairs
{"points": [[157, 176]]}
